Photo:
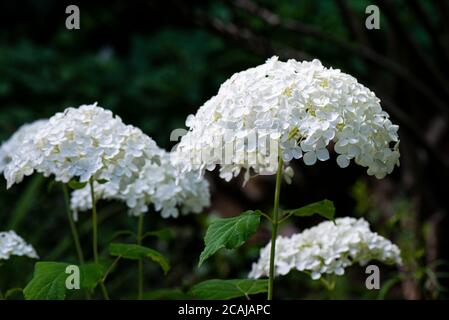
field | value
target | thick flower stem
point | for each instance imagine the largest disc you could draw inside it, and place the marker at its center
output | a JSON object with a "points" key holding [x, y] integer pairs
{"points": [[274, 229], [76, 239], [95, 235], [140, 270]]}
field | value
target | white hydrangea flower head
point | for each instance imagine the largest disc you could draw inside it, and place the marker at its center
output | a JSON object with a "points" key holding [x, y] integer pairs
{"points": [[328, 248], [158, 183], [82, 143], [17, 143], [13, 245], [298, 108]]}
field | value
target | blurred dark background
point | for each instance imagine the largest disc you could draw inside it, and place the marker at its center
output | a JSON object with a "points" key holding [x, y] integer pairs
{"points": [[155, 62]]}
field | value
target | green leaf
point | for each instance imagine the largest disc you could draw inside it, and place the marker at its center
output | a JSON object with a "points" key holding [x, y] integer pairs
{"points": [[324, 208], [91, 275], [229, 233], [48, 282], [136, 252], [49, 279], [228, 289], [75, 185], [102, 181]]}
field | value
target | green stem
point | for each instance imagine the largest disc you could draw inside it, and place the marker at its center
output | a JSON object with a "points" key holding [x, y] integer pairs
{"points": [[140, 270], [285, 218], [94, 221], [329, 284], [95, 234], [266, 216], [106, 274], [75, 236], [104, 291], [274, 228]]}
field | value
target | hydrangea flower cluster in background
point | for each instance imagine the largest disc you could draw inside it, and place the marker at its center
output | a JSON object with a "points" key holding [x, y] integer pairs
{"points": [[13, 245], [159, 183], [90, 142], [298, 107], [327, 248], [86, 142]]}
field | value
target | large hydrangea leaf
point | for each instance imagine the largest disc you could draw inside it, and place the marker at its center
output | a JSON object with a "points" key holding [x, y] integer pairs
{"points": [[229, 233]]}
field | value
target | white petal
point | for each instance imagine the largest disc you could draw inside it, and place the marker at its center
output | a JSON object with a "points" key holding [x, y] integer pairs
{"points": [[322, 154], [342, 161], [310, 158], [306, 146], [315, 275], [287, 156]]}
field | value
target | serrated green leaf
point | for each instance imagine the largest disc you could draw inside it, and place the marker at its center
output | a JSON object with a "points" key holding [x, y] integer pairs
{"points": [[229, 233], [49, 279], [48, 282], [136, 252], [91, 275], [228, 289], [75, 185], [324, 208]]}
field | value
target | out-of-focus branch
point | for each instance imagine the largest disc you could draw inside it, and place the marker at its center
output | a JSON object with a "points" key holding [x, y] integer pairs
{"points": [[388, 10], [352, 22], [365, 52], [410, 126], [249, 40], [426, 22], [443, 10]]}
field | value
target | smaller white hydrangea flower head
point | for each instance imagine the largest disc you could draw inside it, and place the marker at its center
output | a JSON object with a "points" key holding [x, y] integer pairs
{"points": [[158, 183], [327, 248], [13, 245], [82, 143], [296, 108], [18, 143]]}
